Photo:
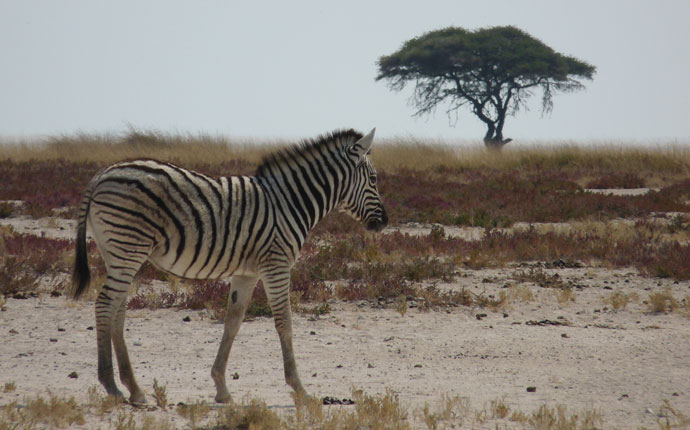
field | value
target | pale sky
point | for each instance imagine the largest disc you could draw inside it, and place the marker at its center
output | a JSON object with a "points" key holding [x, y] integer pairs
{"points": [[291, 69]]}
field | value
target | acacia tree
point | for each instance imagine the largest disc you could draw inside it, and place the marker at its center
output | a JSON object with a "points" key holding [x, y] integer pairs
{"points": [[493, 71]]}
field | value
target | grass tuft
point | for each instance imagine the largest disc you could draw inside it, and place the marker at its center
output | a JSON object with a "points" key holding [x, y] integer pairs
{"points": [[557, 418], [619, 300], [194, 412], [9, 387], [160, 395], [662, 301], [252, 414], [56, 412]]}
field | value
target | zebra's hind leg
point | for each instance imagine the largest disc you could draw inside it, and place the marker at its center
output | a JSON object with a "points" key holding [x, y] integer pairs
{"points": [[277, 286], [241, 289], [126, 374], [108, 331], [104, 319]]}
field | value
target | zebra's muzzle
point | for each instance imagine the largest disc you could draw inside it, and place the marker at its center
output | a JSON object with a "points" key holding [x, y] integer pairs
{"points": [[377, 224]]}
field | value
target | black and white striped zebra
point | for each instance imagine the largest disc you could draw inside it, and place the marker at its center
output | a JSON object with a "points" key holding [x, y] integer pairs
{"points": [[200, 227]]}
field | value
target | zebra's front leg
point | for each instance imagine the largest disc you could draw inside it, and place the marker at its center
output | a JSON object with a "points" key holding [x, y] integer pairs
{"points": [[277, 288], [241, 289]]}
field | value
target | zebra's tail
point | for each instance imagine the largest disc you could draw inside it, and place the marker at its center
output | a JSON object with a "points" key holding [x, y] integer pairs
{"points": [[81, 275]]}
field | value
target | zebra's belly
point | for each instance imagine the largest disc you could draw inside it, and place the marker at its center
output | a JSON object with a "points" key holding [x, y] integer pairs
{"points": [[216, 267]]}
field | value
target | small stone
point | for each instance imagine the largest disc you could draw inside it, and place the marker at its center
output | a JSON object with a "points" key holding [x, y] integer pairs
{"points": [[531, 389], [55, 293], [61, 329], [89, 327], [312, 333], [340, 366], [186, 319], [235, 376], [73, 375], [137, 343], [314, 375], [480, 316], [418, 366], [52, 339], [13, 331], [330, 401], [565, 335], [370, 366]]}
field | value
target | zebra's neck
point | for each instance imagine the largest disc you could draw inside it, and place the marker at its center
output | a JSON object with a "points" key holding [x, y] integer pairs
{"points": [[306, 193], [309, 180]]}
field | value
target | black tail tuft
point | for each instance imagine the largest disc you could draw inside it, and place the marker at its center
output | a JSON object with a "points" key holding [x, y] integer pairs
{"points": [[81, 276]]}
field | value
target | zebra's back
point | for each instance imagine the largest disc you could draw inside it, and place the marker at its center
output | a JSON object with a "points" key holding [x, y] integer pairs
{"points": [[186, 223]]}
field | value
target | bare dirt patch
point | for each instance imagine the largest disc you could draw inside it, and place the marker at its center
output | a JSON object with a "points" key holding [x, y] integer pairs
{"points": [[580, 353], [544, 333]]}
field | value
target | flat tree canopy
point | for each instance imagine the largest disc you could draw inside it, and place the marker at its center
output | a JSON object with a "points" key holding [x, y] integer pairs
{"points": [[491, 70]]}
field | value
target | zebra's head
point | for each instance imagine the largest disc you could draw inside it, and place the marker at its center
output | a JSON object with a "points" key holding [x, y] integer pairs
{"points": [[362, 200]]}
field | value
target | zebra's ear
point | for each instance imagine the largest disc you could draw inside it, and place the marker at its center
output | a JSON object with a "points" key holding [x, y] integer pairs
{"points": [[363, 145]]}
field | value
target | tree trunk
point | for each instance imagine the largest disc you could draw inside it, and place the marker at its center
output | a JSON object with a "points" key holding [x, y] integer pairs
{"points": [[493, 139]]}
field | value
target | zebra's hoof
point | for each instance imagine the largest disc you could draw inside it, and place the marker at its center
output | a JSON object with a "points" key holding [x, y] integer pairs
{"points": [[137, 399], [117, 394], [223, 398]]}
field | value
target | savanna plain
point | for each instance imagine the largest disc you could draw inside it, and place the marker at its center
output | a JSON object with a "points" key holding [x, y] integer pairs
{"points": [[541, 287]]}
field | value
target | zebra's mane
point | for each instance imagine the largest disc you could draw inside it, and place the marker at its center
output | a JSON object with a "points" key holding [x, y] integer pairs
{"points": [[332, 142]]}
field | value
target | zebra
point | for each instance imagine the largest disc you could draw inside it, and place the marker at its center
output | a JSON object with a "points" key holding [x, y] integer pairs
{"points": [[249, 228]]}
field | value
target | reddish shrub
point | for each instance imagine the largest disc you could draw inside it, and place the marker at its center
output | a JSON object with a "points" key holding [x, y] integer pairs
{"points": [[617, 180]]}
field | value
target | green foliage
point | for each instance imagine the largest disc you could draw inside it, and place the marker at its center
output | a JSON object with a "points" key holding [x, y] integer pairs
{"points": [[492, 70]]}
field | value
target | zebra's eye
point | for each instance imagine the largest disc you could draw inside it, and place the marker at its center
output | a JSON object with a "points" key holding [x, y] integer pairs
{"points": [[372, 178]]}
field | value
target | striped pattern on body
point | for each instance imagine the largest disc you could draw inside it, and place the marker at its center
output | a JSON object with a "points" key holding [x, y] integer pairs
{"points": [[201, 227]]}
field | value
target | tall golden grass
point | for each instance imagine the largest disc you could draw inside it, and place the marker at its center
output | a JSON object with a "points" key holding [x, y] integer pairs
{"points": [[389, 154], [109, 148]]}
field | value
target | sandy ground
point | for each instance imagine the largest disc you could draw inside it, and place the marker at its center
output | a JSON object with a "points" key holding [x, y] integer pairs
{"points": [[623, 363]]}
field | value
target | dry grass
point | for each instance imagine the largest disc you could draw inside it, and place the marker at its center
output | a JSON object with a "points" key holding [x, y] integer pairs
{"points": [[159, 394], [369, 412], [389, 154], [194, 413], [9, 387], [373, 412], [619, 300], [56, 412], [422, 155], [105, 149], [499, 409], [449, 411], [557, 418], [670, 418], [662, 301]]}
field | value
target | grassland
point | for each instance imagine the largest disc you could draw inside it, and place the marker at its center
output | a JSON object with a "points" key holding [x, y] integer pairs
{"points": [[420, 183], [532, 206]]}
